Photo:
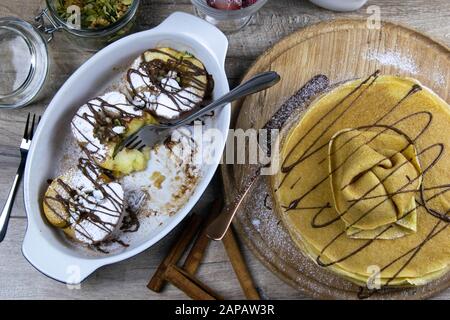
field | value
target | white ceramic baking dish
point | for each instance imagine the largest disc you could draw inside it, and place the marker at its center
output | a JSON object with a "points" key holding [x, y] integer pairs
{"points": [[42, 245]]}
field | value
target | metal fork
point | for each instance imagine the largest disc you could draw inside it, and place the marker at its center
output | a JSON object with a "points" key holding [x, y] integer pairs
{"points": [[24, 147], [152, 134]]}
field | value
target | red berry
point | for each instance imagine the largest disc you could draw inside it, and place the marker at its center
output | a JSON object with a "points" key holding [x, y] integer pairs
{"points": [[225, 4], [248, 3]]}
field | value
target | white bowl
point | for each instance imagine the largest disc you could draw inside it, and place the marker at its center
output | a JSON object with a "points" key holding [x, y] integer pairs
{"points": [[340, 5], [43, 246]]}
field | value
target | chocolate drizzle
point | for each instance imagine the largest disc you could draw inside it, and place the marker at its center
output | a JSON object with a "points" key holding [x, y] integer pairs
{"points": [[102, 117], [130, 222], [103, 122], [80, 207], [191, 93], [434, 151], [101, 247]]}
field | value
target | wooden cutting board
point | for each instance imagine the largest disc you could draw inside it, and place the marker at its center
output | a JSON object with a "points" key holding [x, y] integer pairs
{"points": [[341, 50]]}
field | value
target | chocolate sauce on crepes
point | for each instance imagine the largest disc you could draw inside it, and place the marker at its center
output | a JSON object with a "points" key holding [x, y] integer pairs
{"points": [[296, 102], [80, 206], [190, 92], [435, 150]]}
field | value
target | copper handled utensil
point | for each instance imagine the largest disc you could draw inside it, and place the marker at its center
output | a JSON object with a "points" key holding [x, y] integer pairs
{"points": [[218, 228], [24, 147]]}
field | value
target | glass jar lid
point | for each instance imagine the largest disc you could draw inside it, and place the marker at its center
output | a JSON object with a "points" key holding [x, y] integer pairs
{"points": [[23, 62]]}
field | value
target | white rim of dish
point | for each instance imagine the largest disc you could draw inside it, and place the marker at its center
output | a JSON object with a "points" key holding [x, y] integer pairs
{"points": [[93, 264]]}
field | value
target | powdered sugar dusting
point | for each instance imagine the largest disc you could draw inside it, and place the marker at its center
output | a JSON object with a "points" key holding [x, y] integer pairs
{"points": [[169, 179], [396, 59], [167, 103], [159, 192], [405, 63], [439, 78], [313, 87], [261, 223], [101, 203], [84, 123], [89, 232]]}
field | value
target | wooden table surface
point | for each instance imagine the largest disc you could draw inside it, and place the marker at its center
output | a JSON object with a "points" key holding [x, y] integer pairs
{"points": [[128, 279]]}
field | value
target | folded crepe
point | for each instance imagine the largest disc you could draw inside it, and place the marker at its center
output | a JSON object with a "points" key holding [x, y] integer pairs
{"points": [[399, 236], [374, 179]]}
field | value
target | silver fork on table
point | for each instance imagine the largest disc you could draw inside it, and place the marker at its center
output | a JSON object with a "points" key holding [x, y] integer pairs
{"points": [[152, 134], [24, 147]]}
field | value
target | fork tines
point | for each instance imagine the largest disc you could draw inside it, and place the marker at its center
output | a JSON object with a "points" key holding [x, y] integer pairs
{"points": [[134, 143], [29, 132]]}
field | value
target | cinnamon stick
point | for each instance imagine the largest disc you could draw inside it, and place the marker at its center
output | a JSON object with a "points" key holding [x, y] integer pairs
{"points": [[197, 252], [191, 286], [239, 265], [190, 230]]}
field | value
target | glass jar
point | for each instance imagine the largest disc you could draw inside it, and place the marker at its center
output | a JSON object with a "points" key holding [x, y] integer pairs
{"points": [[23, 62], [228, 21], [88, 38], [23, 49]]}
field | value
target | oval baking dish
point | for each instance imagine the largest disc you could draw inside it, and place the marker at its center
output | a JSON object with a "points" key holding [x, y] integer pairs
{"points": [[42, 245]]}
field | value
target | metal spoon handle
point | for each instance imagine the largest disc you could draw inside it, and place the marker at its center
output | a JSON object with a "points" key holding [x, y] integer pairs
{"points": [[258, 83]]}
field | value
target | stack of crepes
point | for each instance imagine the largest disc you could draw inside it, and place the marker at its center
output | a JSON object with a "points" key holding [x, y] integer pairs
{"points": [[356, 174]]}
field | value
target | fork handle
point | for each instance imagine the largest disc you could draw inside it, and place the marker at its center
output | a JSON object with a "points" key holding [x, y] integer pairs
{"points": [[6, 211], [258, 83]]}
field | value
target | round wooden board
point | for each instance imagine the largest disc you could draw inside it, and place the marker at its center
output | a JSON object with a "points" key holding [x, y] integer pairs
{"points": [[341, 50]]}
